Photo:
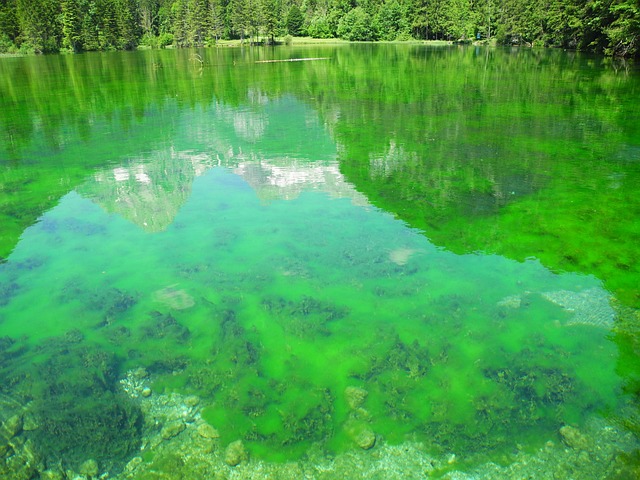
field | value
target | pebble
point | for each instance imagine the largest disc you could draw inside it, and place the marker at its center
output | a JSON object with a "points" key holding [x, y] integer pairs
{"points": [[235, 453]]}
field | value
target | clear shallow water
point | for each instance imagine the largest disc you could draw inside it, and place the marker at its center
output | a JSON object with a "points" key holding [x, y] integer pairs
{"points": [[371, 243]]}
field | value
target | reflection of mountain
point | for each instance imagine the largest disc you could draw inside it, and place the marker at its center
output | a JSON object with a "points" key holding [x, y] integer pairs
{"points": [[150, 191], [287, 178]]}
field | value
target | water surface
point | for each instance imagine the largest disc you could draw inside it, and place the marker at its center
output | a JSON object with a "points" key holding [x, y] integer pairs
{"points": [[390, 244]]}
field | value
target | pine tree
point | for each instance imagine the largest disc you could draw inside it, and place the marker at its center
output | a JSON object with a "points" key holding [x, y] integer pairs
{"points": [[216, 20], [272, 18], [71, 25], [9, 26], [238, 14], [128, 23], [40, 30], [196, 22]]}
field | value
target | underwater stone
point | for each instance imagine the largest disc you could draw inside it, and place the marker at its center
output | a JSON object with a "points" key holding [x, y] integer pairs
{"points": [[573, 437], [172, 429], [133, 464], [355, 396], [30, 422], [360, 433], [365, 438], [89, 468], [207, 431], [146, 392], [512, 301], [51, 475], [12, 426], [139, 373], [235, 453]]}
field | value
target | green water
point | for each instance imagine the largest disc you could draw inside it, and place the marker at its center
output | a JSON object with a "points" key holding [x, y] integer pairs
{"points": [[453, 230]]}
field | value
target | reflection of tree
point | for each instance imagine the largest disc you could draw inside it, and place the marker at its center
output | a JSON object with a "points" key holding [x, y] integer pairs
{"points": [[472, 146]]}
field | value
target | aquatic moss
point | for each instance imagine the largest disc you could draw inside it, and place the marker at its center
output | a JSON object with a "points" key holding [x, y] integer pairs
{"points": [[103, 426], [164, 325], [73, 392]]}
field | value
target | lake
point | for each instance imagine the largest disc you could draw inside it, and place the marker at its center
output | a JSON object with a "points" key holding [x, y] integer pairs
{"points": [[377, 261]]}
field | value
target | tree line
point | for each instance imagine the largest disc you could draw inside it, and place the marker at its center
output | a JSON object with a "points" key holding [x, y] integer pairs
{"points": [[41, 26]]}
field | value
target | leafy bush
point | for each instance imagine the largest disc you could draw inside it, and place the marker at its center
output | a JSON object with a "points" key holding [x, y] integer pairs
{"points": [[6, 45], [165, 39], [319, 27]]}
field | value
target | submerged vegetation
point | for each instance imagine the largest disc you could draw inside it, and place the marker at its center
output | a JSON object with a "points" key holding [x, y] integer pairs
{"points": [[42, 26]]}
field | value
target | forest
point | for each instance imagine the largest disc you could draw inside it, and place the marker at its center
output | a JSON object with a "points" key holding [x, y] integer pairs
{"points": [[611, 27]]}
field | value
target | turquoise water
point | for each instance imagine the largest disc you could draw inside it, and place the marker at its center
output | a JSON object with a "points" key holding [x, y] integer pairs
{"points": [[241, 244]]}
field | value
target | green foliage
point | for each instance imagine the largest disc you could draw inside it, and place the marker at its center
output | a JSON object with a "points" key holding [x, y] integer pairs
{"points": [[9, 25], [6, 45], [71, 26], [391, 20], [624, 32], [272, 19], [357, 25], [37, 26], [128, 23], [295, 21], [319, 27]]}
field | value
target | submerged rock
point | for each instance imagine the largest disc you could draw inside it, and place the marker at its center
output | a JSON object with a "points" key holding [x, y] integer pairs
{"points": [[573, 437], [365, 438], [589, 307], [360, 433], [355, 396], [400, 256], [207, 431], [172, 429], [12, 426], [512, 301], [175, 298], [235, 453], [51, 475], [89, 468]]}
